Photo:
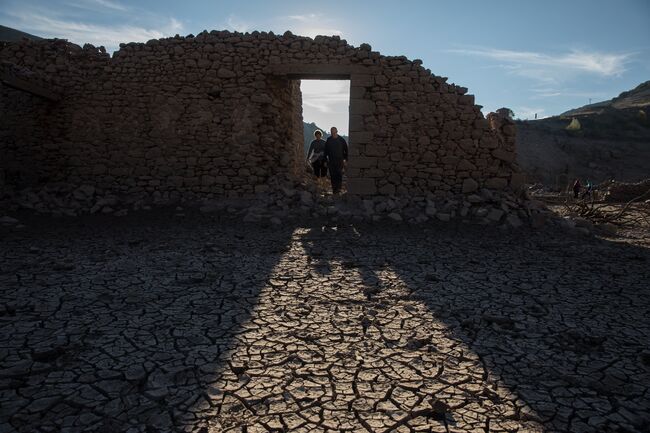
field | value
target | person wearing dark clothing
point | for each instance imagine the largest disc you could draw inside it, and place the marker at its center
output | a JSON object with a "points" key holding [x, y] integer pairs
{"points": [[336, 152], [576, 188], [316, 155], [588, 188]]}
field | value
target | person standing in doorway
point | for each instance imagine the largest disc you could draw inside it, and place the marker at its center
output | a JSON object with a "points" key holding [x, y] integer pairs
{"points": [[576, 188], [336, 152], [588, 188], [316, 155]]}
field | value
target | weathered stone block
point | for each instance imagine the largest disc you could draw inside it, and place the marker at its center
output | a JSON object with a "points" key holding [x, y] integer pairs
{"points": [[465, 165], [374, 150], [362, 186], [517, 181], [467, 144], [496, 183], [495, 215], [357, 92], [225, 73], [503, 155], [356, 123], [362, 106], [449, 159], [469, 185], [363, 80], [361, 137], [509, 130], [363, 162], [387, 189]]}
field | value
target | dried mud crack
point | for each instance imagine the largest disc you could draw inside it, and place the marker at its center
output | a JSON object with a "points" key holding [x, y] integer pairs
{"points": [[155, 324]]}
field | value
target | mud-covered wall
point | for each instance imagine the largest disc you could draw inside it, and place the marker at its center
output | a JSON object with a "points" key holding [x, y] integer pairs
{"points": [[219, 115]]}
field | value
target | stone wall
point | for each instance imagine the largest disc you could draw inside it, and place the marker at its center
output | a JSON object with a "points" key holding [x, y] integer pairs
{"points": [[219, 115]]}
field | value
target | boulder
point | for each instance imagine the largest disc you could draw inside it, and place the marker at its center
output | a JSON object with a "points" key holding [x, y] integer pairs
{"points": [[306, 198], [503, 155], [496, 183], [495, 215], [289, 192], [395, 216], [514, 221], [538, 219], [8, 221]]}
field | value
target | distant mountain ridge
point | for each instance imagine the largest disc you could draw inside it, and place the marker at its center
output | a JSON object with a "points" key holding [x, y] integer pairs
{"points": [[636, 98], [308, 131], [7, 34]]}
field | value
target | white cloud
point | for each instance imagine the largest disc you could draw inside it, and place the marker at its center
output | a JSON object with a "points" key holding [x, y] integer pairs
{"points": [[98, 5], [82, 32], [304, 18], [539, 65], [541, 93], [523, 112], [326, 103], [234, 23], [310, 25], [109, 4]]}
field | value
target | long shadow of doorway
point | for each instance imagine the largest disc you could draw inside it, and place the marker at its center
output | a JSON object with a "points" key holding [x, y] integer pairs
{"points": [[525, 329]]}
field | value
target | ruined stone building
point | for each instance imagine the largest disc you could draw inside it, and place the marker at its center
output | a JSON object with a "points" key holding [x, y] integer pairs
{"points": [[219, 115]]}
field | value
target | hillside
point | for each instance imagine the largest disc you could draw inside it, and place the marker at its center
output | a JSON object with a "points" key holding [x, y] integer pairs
{"points": [[309, 129], [7, 34], [636, 98], [612, 141]]}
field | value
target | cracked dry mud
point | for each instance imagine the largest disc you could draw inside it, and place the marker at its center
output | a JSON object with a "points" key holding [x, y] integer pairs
{"points": [[154, 324]]}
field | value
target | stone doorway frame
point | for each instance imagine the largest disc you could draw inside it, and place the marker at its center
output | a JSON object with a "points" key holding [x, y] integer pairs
{"points": [[361, 79]]}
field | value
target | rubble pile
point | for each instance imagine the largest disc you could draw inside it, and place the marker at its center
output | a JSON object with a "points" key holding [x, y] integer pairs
{"points": [[287, 200]]}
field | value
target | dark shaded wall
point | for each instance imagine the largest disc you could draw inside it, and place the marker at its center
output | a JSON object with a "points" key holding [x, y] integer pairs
{"points": [[219, 115]]}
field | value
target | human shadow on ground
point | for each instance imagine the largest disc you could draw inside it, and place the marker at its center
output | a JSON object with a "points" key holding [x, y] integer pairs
{"points": [[114, 323], [556, 324]]}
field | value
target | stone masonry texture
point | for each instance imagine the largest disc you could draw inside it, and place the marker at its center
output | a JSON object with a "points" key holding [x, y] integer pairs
{"points": [[219, 115]]}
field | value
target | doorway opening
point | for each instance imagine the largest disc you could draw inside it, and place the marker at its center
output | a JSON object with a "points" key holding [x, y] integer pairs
{"points": [[325, 104]]}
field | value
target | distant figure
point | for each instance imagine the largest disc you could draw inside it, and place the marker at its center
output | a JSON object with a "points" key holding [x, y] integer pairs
{"points": [[576, 188], [588, 188], [336, 152], [316, 155]]}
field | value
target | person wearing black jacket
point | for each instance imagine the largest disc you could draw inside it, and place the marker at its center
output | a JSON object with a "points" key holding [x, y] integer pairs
{"points": [[316, 155], [336, 152]]}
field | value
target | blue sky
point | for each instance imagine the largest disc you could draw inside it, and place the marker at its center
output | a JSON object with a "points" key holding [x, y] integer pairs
{"points": [[541, 57]]}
